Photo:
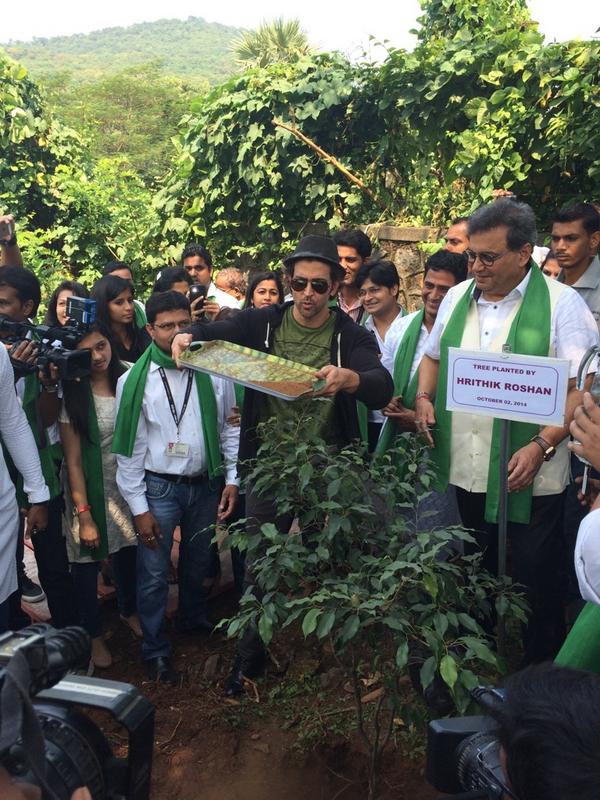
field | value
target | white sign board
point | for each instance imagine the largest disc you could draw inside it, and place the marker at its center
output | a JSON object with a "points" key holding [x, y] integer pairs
{"points": [[507, 386]]}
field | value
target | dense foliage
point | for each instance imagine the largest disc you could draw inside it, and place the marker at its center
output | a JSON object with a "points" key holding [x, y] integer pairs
{"points": [[480, 103], [131, 114], [192, 49], [272, 42], [244, 184], [73, 214]]}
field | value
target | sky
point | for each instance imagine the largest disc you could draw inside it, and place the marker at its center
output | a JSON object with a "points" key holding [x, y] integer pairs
{"points": [[346, 26]]}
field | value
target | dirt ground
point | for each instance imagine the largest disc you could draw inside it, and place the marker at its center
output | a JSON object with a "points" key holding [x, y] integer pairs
{"points": [[290, 738]]}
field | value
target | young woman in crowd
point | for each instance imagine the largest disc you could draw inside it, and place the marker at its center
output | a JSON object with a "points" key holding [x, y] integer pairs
{"points": [[98, 522], [116, 313], [550, 266], [264, 289], [57, 305]]}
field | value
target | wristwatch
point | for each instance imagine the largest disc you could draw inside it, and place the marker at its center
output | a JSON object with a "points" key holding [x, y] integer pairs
{"points": [[548, 450]]}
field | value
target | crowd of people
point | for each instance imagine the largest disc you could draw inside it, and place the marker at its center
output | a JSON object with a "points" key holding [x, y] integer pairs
{"points": [[109, 466]]}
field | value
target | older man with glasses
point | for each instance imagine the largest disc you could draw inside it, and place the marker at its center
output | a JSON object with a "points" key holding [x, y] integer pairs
{"points": [[508, 301], [309, 331]]}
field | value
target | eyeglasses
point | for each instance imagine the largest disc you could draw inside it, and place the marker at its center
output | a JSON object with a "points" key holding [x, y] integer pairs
{"points": [[170, 326], [320, 285], [487, 259]]}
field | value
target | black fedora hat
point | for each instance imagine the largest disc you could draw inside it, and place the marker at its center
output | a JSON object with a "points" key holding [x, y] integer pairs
{"points": [[319, 248]]}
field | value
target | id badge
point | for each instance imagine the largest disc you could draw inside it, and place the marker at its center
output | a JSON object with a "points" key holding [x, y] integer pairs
{"points": [[177, 450]]}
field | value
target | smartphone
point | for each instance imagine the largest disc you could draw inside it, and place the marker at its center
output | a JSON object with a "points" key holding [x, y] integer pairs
{"points": [[7, 231], [197, 290]]}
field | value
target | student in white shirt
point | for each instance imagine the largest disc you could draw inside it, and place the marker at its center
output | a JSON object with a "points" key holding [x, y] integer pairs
{"points": [[378, 287], [173, 444]]}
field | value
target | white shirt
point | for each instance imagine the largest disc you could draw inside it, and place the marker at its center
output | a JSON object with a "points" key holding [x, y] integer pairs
{"points": [[393, 340], [223, 299], [573, 328], [19, 441], [369, 324], [156, 428], [587, 557]]}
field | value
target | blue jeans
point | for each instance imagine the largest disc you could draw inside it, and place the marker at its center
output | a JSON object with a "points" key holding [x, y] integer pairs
{"points": [[194, 509]]}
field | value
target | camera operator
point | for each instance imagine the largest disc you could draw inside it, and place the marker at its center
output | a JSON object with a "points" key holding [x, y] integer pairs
{"points": [[19, 300], [549, 732], [10, 255]]}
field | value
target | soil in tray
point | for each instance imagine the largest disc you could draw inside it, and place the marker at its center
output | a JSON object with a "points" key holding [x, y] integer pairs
{"points": [[291, 388]]}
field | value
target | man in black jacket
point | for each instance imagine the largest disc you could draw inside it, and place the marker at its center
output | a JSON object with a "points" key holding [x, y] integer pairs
{"points": [[308, 331]]}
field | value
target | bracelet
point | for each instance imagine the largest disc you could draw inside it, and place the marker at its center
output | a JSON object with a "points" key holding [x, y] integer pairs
{"points": [[51, 389], [83, 509], [10, 242], [424, 394]]}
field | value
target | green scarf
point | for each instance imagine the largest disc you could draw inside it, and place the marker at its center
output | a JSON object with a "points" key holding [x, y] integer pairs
{"points": [[403, 385], [91, 461], [529, 335], [131, 405], [140, 316]]}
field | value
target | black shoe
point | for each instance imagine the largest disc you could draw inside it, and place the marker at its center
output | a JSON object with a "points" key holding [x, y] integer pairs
{"points": [[204, 626], [159, 669], [30, 591], [245, 665]]}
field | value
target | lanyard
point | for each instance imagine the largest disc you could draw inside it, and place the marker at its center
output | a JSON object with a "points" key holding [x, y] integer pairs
{"points": [[177, 417]]}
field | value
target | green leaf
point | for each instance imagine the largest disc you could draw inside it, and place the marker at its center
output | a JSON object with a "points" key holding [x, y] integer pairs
{"points": [[481, 650], [325, 624], [431, 585], [448, 670], [402, 656], [427, 672], [350, 628], [309, 623], [265, 628]]}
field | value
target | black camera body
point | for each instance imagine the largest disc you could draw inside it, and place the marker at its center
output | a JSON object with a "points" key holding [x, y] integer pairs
{"points": [[463, 753], [63, 749], [56, 344]]}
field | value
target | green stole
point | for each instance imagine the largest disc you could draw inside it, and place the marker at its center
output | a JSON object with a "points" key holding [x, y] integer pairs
{"points": [[403, 384], [140, 316], [529, 335], [128, 415], [91, 462], [581, 648]]}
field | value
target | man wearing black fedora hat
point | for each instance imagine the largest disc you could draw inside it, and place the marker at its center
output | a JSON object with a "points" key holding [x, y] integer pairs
{"points": [[309, 331]]}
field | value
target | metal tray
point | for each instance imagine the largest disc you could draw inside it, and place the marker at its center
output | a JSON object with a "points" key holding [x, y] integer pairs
{"points": [[263, 372]]}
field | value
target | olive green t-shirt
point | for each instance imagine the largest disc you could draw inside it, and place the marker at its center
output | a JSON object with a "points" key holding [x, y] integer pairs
{"points": [[310, 346]]}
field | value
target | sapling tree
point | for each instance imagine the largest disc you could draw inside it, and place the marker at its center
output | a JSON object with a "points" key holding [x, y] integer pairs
{"points": [[364, 574]]}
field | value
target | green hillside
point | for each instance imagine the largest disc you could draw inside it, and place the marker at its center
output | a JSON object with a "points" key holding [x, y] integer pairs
{"points": [[192, 49]]}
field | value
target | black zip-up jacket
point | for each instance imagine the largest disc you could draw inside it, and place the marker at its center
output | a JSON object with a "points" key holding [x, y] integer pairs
{"points": [[352, 347]]}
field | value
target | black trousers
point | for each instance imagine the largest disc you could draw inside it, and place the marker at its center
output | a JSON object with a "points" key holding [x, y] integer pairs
{"points": [[53, 571], [537, 561]]}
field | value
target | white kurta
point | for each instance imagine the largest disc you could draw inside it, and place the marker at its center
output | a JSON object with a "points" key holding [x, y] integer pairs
{"points": [[18, 438]]}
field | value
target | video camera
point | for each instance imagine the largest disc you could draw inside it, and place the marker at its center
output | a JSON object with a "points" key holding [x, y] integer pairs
{"points": [[52, 744], [463, 753], [56, 344]]}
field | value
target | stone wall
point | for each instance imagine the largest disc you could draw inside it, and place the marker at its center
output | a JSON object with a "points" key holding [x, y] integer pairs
{"points": [[400, 245]]}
